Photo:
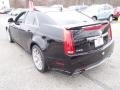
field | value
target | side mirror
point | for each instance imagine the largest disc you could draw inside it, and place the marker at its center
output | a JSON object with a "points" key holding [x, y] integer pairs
{"points": [[10, 20]]}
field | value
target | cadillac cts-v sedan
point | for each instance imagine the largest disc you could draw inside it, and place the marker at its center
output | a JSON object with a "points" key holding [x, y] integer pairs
{"points": [[66, 41]]}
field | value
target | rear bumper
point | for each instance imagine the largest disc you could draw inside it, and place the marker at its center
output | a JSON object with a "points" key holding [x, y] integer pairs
{"points": [[90, 59], [83, 61]]}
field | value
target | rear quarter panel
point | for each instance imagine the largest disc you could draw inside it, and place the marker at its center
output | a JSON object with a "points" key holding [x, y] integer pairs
{"points": [[50, 38]]}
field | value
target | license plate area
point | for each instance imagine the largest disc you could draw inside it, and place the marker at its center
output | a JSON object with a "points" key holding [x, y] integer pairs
{"points": [[98, 41]]}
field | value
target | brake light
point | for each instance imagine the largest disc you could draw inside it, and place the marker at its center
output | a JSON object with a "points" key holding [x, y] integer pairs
{"points": [[69, 47], [89, 28], [110, 32]]}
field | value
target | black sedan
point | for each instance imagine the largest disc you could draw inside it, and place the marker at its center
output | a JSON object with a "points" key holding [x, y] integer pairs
{"points": [[66, 41]]}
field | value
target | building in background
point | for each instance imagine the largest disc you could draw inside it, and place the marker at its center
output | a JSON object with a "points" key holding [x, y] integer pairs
{"points": [[24, 3], [18, 3], [4, 4]]}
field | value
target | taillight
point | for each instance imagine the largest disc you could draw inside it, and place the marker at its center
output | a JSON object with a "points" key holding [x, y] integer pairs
{"points": [[69, 47], [110, 32]]}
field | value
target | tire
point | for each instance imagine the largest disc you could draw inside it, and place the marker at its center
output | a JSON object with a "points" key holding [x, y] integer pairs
{"points": [[9, 36], [110, 18], [39, 59], [94, 18]]}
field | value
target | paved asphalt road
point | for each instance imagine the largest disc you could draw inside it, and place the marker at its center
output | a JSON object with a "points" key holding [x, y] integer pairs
{"points": [[17, 71]]}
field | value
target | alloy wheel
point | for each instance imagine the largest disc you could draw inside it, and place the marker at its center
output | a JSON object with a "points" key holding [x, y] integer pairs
{"points": [[37, 58]]}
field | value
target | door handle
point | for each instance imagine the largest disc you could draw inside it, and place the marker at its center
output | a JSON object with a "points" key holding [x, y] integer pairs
{"points": [[28, 30]]}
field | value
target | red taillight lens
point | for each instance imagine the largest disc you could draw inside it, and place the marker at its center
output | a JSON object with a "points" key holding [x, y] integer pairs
{"points": [[69, 47], [89, 28], [110, 32]]}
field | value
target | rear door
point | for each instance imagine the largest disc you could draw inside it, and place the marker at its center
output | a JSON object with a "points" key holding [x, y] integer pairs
{"points": [[29, 26]]}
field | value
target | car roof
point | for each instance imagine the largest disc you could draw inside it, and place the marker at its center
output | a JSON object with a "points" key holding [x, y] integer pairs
{"points": [[63, 13]]}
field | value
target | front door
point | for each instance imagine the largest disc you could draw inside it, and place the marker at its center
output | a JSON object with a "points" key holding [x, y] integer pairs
{"points": [[27, 28]]}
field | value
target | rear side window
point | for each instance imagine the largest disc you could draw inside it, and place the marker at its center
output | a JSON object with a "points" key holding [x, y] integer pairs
{"points": [[35, 22], [44, 19], [31, 19]]}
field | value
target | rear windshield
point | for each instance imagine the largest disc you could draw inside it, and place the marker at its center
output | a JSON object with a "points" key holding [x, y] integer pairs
{"points": [[65, 18]]}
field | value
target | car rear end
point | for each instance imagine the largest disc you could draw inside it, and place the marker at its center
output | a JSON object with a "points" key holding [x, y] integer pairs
{"points": [[88, 46], [85, 45]]}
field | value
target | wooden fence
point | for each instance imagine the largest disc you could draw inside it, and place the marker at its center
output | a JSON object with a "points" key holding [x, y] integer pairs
{"points": [[23, 3], [76, 2]]}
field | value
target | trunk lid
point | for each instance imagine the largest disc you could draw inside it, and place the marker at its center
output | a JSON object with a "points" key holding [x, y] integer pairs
{"points": [[90, 36]]}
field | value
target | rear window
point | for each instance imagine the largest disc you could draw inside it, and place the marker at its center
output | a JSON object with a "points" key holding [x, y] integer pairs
{"points": [[65, 18], [44, 19]]}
